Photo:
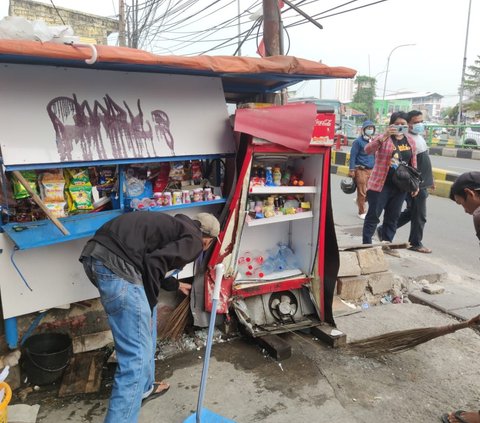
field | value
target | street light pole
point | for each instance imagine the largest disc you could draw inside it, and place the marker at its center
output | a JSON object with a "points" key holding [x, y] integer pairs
{"points": [[386, 73], [460, 102]]}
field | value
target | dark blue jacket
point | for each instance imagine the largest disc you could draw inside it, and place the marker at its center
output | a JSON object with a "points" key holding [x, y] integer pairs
{"points": [[358, 157]]}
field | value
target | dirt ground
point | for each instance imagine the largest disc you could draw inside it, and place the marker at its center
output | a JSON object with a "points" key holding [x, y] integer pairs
{"points": [[317, 384]]}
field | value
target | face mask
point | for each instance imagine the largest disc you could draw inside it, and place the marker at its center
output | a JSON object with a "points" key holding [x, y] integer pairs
{"points": [[402, 129], [369, 132], [418, 128]]}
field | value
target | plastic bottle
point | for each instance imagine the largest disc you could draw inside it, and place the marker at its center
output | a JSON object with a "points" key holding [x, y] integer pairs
{"points": [[269, 177], [268, 266], [287, 256], [277, 176]]}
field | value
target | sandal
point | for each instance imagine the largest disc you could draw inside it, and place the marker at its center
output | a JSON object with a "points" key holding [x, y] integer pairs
{"points": [[458, 416], [421, 249], [159, 388]]}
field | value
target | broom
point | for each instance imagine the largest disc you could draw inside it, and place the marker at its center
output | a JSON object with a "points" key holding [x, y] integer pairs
{"points": [[177, 321], [403, 340]]}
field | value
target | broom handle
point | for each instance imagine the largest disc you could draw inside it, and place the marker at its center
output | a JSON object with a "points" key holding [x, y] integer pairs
{"points": [[219, 270], [462, 325]]}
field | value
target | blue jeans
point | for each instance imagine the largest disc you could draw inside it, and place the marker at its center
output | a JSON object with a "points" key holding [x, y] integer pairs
{"points": [[416, 213], [389, 201], [134, 329]]}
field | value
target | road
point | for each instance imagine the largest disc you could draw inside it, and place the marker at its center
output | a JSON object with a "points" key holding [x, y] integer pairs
{"points": [[455, 164], [449, 231]]}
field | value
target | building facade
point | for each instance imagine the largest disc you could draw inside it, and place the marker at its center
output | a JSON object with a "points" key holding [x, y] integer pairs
{"points": [[90, 28]]}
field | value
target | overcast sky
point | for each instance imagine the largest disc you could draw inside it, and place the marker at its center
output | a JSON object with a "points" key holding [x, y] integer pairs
{"points": [[361, 39]]}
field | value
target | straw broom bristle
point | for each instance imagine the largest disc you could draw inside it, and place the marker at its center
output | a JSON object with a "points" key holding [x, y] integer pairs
{"points": [[403, 340], [177, 321]]}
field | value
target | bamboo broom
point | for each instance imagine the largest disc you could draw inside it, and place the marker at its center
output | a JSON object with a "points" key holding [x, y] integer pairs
{"points": [[175, 325], [403, 340]]}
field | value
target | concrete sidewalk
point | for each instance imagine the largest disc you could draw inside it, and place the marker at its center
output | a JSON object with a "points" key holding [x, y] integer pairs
{"points": [[318, 383]]}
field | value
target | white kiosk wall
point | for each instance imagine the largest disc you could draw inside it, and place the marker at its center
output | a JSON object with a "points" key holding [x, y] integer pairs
{"points": [[52, 115]]}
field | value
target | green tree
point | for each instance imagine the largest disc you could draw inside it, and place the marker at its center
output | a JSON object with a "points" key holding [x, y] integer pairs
{"points": [[472, 85], [364, 96]]}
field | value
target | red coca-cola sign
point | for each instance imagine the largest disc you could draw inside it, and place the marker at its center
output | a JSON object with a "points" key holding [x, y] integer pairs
{"points": [[324, 129]]}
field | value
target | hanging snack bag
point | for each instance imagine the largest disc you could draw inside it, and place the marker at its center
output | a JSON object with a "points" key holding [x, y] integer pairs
{"points": [[106, 179], [52, 184], [196, 170], [177, 172], [79, 190], [162, 179], [19, 190]]}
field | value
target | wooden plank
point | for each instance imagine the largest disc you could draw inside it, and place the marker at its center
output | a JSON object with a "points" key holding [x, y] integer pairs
{"points": [[329, 335], [83, 375], [384, 245], [278, 348]]}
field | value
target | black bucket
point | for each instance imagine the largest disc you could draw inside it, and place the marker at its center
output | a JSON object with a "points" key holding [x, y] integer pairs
{"points": [[45, 357]]}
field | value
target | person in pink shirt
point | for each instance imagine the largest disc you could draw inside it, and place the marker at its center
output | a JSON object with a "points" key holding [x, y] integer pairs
{"points": [[390, 148]]}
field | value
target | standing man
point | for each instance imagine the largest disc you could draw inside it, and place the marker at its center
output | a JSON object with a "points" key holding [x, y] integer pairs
{"points": [[127, 260], [416, 210], [361, 165], [465, 191]]}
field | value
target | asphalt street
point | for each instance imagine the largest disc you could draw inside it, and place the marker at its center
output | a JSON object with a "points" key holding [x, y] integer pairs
{"points": [[454, 164], [449, 230]]}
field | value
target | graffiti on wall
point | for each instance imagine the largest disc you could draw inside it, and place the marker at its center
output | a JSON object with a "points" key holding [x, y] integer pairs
{"points": [[107, 130]]}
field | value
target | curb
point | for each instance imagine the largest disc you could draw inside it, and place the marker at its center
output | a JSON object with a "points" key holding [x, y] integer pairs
{"points": [[460, 153], [443, 178]]}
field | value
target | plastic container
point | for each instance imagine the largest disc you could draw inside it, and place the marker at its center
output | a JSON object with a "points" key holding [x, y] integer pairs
{"points": [[197, 195], [167, 198], [186, 197], [177, 197], [45, 357], [7, 396], [207, 194]]}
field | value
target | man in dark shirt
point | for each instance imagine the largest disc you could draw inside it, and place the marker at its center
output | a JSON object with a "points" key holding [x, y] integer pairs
{"points": [[129, 259], [416, 210], [465, 191]]}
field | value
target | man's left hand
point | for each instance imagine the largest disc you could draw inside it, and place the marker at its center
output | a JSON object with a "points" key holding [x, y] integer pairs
{"points": [[185, 288], [414, 194]]}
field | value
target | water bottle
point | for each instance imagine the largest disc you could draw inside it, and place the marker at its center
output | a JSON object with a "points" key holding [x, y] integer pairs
{"points": [[268, 266], [269, 177], [288, 257]]}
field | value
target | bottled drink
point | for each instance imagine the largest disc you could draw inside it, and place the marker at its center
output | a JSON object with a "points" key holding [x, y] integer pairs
{"points": [[277, 176], [269, 177]]}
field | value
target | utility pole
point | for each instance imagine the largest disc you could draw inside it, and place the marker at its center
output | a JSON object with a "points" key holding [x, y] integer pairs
{"points": [[121, 23], [271, 27], [272, 41]]}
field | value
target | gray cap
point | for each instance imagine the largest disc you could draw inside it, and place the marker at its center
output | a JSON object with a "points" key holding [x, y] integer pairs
{"points": [[209, 224]]}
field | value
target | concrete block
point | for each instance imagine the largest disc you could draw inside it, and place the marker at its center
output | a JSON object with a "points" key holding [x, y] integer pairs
{"points": [[372, 260], [476, 154], [349, 264], [342, 170], [442, 188], [433, 289], [380, 283], [450, 152], [351, 288]]}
